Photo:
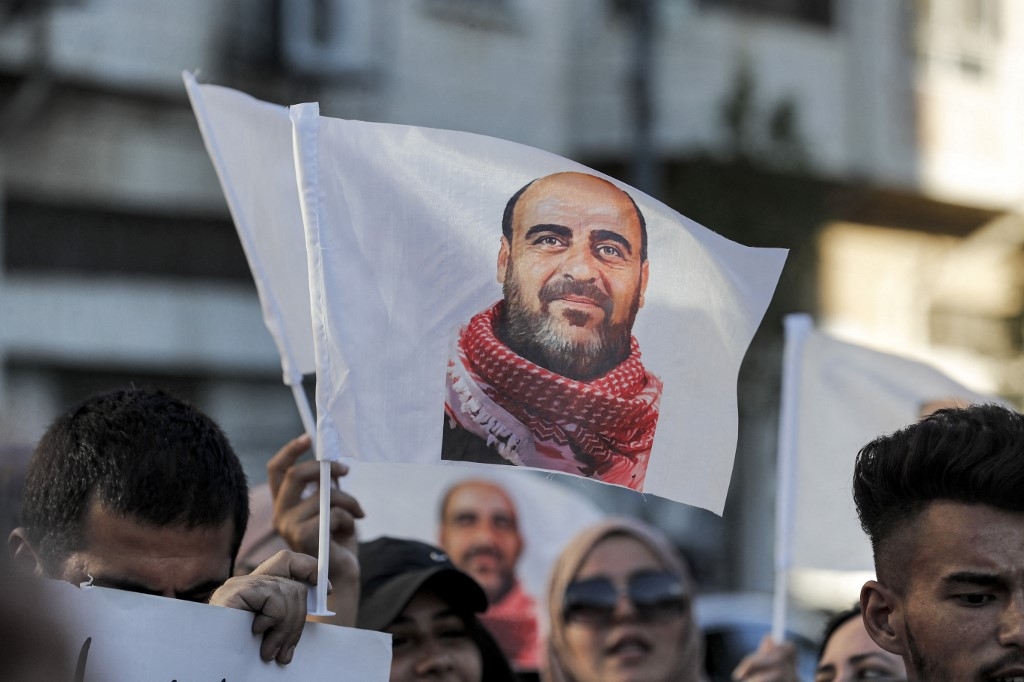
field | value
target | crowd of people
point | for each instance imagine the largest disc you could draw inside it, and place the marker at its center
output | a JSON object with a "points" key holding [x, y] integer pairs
{"points": [[137, 490]]}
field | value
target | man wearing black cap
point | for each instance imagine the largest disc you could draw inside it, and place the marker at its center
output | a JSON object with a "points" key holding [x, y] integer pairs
{"points": [[413, 591]]}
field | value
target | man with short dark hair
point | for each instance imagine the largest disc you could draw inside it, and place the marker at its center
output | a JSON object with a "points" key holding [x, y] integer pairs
{"points": [[137, 490], [480, 532], [943, 503], [551, 377]]}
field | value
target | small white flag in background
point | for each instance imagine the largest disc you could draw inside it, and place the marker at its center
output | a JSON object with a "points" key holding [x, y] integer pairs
{"points": [[837, 397], [406, 252], [847, 396]]}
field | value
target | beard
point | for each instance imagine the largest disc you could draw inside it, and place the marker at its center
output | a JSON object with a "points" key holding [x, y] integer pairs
{"points": [[928, 671], [539, 337], [923, 667]]}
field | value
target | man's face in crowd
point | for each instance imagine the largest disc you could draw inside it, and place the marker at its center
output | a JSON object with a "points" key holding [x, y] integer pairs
{"points": [[960, 614], [479, 531], [171, 561], [572, 275]]}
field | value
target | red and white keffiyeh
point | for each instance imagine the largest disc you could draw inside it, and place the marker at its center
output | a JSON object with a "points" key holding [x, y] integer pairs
{"points": [[606, 425]]}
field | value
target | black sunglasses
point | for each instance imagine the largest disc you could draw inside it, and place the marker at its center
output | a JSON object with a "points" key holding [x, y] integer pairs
{"points": [[655, 595]]}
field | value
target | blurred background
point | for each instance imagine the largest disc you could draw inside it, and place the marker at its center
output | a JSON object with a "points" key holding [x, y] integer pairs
{"points": [[879, 140]]}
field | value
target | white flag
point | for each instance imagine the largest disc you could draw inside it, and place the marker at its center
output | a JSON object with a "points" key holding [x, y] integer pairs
{"points": [[847, 396], [609, 364], [250, 144]]}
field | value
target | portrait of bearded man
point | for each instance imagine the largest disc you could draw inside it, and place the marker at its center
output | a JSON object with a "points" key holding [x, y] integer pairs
{"points": [[550, 376]]}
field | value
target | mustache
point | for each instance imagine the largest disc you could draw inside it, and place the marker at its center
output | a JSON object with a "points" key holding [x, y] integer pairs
{"points": [[563, 287], [483, 550], [1013, 659]]}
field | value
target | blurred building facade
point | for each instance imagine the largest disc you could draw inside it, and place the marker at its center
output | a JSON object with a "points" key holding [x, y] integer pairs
{"points": [[897, 121]]}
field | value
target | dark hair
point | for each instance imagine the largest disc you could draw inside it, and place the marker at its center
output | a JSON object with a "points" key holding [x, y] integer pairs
{"points": [[834, 623], [510, 208], [140, 453], [973, 455]]}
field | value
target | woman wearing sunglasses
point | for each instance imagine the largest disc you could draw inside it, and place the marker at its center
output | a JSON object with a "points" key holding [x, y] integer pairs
{"points": [[619, 601]]}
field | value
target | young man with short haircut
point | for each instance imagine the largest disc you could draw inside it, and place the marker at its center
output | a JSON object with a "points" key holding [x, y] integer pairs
{"points": [[943, 503]]}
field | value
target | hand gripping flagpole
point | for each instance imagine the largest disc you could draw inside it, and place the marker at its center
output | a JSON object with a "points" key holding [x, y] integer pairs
{"points": [[797, 328], [316, 604]]}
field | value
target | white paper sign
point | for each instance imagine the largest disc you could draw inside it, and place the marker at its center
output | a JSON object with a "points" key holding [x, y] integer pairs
{"points": [[117, 636]]}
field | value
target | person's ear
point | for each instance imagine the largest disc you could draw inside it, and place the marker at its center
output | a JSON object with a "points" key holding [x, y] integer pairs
{"points": [[882, 611], [503, 256], [644, 273], [23, 554]]}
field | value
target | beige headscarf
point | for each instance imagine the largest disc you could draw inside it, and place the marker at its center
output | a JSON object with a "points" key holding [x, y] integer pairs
{"points": [[555, 668]]}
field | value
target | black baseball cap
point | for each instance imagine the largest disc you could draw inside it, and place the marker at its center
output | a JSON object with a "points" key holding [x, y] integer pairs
{"points": [[393, 570]]}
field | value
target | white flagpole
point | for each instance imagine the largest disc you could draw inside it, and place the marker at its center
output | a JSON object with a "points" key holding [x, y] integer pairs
{"points": [[305, 131], [797, 328]]}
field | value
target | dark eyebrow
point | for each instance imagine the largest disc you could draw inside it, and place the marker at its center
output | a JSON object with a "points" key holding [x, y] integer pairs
{"points": [[130, 585], [560, 230], [126, 584], [867, 656], [970, 578], [448, 613], [609, 235]]}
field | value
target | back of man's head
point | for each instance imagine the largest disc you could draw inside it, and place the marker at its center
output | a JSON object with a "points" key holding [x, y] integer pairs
{"points": [[971, 455], [142, 454]]}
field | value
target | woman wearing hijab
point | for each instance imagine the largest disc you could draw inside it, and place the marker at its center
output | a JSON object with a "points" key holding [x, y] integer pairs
{"points": [[620, 609]]}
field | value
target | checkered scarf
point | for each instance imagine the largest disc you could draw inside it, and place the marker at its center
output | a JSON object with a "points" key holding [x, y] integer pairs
{"points": [[600, 420]]}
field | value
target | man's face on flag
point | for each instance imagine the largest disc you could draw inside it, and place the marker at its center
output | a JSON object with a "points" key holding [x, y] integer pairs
{"points": [[573, 275]]}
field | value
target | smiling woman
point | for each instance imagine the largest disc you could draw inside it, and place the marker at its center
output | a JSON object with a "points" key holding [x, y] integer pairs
{"points": [[619, 602]]}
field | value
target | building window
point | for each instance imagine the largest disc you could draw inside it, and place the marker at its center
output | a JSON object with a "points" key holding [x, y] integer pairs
{"points": [[1001, 337], [42, 238], [489, 14], [815, 12], [982, 17], [959, 35]]}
